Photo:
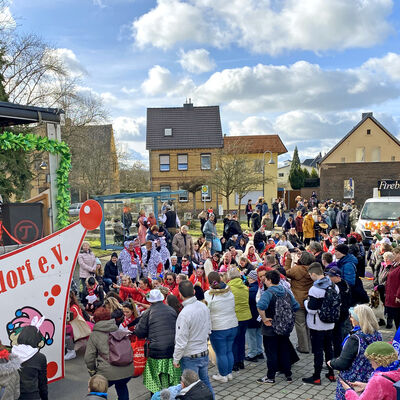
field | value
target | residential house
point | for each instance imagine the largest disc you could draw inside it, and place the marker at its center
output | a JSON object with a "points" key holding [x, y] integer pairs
{"points": [[182, 144], [283, 171], [353, 167], [254, 146]]}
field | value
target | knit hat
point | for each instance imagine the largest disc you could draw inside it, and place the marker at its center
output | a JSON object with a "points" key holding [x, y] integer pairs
{"points": [[114, 255], [342, 248], [252, 274], [382, 353], [334, 271]]}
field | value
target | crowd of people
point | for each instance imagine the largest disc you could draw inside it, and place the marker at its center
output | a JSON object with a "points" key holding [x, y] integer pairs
{"points": [[236, 298]]}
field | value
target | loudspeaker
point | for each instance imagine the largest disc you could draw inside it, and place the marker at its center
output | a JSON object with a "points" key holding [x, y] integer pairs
{"points": [[24, 221]]}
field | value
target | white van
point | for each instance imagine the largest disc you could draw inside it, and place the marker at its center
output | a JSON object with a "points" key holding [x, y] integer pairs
{"points": [[377, 212]]}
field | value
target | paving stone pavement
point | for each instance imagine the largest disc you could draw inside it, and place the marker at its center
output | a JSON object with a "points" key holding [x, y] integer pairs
{"points": [[244, 385]]}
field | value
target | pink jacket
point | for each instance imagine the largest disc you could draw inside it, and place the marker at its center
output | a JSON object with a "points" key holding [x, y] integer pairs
{"points": [[378, 388], [87, 264]]}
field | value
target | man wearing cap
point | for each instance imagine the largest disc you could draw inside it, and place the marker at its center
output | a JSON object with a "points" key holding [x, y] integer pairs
{"points": [[342, 326], [347, 264], [193, 327], [253, 333]]}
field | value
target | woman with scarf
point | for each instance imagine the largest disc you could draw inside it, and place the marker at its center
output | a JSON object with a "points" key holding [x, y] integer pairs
{"points": [[170, 281], [384, 360], [138, 294], [199, 278], [251, 255], [94, 295], [186, 267], [212, 263], [87, 266], [131, 315], [161, 247], [152, 262], [33, 372], [352, 362], [130, 261]]}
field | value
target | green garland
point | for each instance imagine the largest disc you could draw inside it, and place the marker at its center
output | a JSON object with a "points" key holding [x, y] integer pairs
{"points": [[30, 142]]}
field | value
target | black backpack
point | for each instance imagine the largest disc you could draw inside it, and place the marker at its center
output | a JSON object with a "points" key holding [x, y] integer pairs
{"points": [[283, 321], [330, 308]]}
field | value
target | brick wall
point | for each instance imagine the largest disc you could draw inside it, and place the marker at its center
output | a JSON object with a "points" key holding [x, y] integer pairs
{"points": [[365, 175]]}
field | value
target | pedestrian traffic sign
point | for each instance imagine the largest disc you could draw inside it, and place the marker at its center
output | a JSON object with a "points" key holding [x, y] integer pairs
{"points": [[204, 190]]}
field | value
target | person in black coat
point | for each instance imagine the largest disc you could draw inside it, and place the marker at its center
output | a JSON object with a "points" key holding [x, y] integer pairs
{"points": [[157, 324], [33, 372], [256, 220], [111, 272], [253, 333], [260, 239], [193, 388], [234, 227]]}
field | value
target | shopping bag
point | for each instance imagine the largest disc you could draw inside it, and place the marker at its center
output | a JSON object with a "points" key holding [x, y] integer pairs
{"points": [[80, 328], [139, 357]]}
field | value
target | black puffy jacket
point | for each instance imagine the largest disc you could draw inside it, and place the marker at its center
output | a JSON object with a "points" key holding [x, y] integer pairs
{"points": [[157, 324], [199, 391], [33, 378]]}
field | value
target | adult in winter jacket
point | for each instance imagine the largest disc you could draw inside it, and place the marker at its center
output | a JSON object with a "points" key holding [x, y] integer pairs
{"points": [[182, 243], [256, 220], [130, 260], [392, 298], [224, 324], [342, 221], [193, 388], [87, 264], [253, 333], [97, 351], [277, 346], [209, 229], [33, 372], [352, 362], [383, 358], [234, 227], [9, 376], [300, 285], [320, 331], [111, 272], [157, 324], [260, 239], [308, 228], [241, 293], [248, 211], [347, 264], [299, 224]]}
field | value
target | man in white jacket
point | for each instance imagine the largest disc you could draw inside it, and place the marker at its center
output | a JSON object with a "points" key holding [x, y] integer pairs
{"points": [[320, 332]]}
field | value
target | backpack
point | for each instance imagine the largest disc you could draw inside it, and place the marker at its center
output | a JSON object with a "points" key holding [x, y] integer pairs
{"points": [[330, 308], [120, 353], [283, 321]]}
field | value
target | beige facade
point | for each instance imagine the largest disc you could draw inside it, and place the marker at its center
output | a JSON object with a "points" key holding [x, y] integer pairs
{"points": [[368, 143]]}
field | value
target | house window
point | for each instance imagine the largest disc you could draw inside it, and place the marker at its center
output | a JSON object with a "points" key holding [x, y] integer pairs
{"points": [[168, 132], [205, 161], [343, 160], [368, 131], [281, 174], [393, 158], [165, 188], [376, 154], [360, 154], [164, 162], [183, 198], [182, 162], [208, 196]]}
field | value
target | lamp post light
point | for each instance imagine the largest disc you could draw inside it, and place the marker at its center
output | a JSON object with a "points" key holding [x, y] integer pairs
{"points": [[270, 162]]}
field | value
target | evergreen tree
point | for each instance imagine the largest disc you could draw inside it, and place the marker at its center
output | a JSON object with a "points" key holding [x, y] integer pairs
{"points": [[306, 173], [314, 173], [296, 175]]}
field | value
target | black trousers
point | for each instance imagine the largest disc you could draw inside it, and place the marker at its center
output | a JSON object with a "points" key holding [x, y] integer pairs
{"points": [[321, 342], [278, 355], [394, 313]]}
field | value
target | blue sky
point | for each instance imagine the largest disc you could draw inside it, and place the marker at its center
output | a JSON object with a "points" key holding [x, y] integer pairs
{"points": [[304, 69]]}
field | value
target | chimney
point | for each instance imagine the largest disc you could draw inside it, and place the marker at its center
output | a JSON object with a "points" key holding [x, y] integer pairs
{"points": [[366, 115], [188, 106]]}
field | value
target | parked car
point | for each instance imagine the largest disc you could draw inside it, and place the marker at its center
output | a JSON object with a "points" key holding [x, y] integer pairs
{"points": [[74, 209]]}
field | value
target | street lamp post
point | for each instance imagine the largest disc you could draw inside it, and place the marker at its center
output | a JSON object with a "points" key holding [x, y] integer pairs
{"points": [[270, 162]]}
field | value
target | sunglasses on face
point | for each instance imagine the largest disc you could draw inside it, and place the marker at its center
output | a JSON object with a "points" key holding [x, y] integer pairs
{"points": [[169, 279]]}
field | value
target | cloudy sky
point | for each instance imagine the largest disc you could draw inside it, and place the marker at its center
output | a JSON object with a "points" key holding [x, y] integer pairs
{"points": [[304, 69]]}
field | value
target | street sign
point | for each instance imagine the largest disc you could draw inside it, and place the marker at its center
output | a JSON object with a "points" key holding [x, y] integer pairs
{"points": [[204, 190]]}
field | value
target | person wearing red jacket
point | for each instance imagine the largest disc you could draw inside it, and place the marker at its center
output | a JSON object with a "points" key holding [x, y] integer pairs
{"points": [[199, 278], [170, 281], [137, 294], [392, 299]]}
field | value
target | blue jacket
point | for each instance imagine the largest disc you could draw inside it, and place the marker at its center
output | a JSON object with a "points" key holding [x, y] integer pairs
{"points": [[348, 265], [279, 291], [342, 218], [209, 229], [264, 209]]}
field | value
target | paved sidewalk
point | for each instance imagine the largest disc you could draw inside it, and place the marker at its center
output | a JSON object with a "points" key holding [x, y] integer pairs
{"points": [[244, 385]]}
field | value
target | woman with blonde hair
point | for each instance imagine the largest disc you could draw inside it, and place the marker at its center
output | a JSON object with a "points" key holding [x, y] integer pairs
{"points": [[142, 229], [115, 308], [352, 362]]}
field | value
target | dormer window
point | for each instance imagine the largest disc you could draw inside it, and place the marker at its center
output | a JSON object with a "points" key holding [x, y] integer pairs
{"points": [[167, 131]]}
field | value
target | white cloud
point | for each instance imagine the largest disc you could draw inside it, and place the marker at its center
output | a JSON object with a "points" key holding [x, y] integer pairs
{"points": [[129, 129], [70, 60], [266, 26], [108, 97], [196, 61], [159, 81], [99, 3], [390, 64], [251, 126]]}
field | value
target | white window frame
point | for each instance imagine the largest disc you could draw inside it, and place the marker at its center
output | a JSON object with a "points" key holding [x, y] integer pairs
{"points": [[167, 131], [165, 188], [201, 161], [183, 166], [169, 163], [184, 199]]}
